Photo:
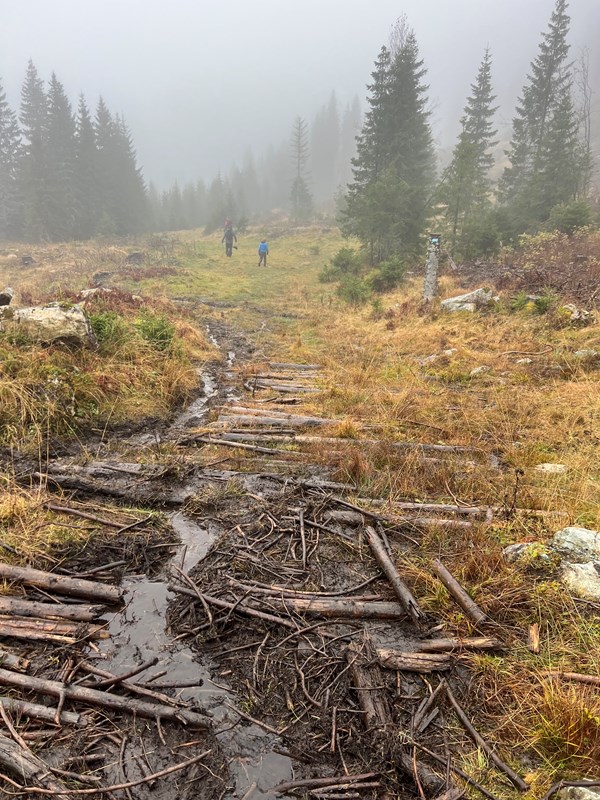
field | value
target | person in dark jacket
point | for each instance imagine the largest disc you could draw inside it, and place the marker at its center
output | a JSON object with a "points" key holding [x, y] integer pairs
{"points": [[263, 252], [229, 238]]}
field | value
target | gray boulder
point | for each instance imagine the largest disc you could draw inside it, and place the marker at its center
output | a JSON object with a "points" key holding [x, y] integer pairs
{"points": [[6, 296], [468, 302], [53, 323]]}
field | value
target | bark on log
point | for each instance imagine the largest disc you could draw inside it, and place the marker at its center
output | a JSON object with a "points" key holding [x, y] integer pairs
{"points": [[25, 765], [14, 662], [414, 662], [468, 605], [44, 630], [15, 606], [402, 591], [453, 644], [71, 587], [344, 609], [37, 711], [93, 697]]}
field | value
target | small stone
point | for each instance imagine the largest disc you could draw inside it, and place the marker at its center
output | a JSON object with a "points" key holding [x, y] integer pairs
{"points": [[468, 302], [532, 551], [479, 371], [579, 793], [524, 361], [586, 353]]}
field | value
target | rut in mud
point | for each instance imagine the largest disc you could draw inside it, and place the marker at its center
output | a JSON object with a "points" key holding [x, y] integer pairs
{"points": [[270, 604]]}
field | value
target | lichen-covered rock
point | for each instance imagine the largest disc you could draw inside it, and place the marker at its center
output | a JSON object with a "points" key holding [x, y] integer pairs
{"points": [[557, 469], [579, 793], [578, 543], [52, 323]]}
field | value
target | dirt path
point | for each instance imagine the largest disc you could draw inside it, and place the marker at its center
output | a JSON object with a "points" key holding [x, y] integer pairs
{"points": [[281, 601]]}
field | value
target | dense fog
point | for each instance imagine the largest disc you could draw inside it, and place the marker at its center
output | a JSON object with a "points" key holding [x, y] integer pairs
{"points": [[199, 83]]}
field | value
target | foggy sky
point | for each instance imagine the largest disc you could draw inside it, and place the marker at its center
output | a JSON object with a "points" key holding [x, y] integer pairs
{"points": [[200, 81]]}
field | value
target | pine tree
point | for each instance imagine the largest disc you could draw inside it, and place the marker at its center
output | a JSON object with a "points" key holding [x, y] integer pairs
{"points": [[350, 128], [104, 130], [324, 150], [86, 174], [300, 195], [388, 202], [10, 154], [34, 178], [466, 189], [543, 99], [60, 164]]}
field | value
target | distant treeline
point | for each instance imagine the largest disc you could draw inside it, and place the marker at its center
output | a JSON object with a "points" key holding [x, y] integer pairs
{"points": [[66, 175], [266, 184]]}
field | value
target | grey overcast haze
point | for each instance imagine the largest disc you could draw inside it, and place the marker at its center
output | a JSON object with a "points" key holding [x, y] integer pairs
{"points": [[199, 82]]}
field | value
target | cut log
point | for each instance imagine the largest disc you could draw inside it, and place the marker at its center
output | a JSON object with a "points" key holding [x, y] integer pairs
{"points": [[368, 680], [414, 662], [402, 591], [15, 606], [71, 587], [283, 365], [25, 765], [12, 661], [92, 697], [421, 446], [454, 644], [344, 609], [36, 711], [468, 605], [237, 445], [50, 630]]}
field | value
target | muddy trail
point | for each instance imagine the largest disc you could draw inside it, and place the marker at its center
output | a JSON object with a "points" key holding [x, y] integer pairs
{"points": [[263, 642]]}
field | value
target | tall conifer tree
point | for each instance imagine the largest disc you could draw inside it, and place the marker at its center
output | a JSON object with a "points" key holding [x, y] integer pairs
{"points": [[541, 131], [388, 202], [34, 174], [300, 195], [60, 161], [10, 153], [467, 185], [86, 174]]}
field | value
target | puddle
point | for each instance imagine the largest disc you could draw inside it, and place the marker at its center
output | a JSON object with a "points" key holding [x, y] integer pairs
{"points": [[138, 633], [196, 411]]}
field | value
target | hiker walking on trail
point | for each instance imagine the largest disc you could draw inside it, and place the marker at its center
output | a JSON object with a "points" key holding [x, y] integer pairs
{"points": [[263, 252], [229, 238]]}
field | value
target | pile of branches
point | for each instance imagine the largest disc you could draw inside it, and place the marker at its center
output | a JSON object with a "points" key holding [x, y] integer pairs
{"points": [[330, 652]]}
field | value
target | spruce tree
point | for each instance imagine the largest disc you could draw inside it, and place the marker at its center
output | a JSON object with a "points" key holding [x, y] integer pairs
{"points": [[539, 133], [10, 154], [388, 202], [34, 178], [466, 188], [324, 150], [86, 174], [60, 164], [300, 195]]}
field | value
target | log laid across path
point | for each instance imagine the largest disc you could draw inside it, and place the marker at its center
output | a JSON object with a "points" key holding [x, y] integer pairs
{"points": [[71, 587]]}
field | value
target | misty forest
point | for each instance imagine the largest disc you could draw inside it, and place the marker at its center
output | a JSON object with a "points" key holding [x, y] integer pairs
{"points": [[299, 406]]}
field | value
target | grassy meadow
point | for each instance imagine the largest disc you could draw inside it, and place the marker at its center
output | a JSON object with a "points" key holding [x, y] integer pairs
{"points": [[506, 382]]}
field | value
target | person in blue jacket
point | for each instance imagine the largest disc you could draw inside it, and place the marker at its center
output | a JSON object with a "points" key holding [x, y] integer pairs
{"points": [[263, 252]]}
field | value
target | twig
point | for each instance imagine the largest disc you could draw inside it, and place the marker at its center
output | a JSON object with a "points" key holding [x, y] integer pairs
{"points": [[515, 779], [129, 785]]}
